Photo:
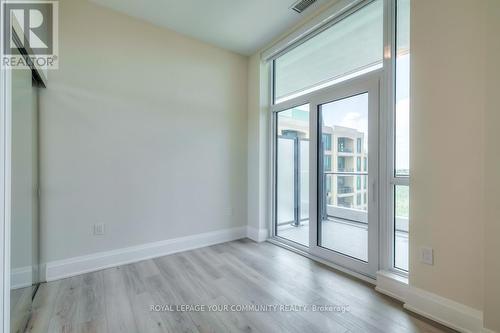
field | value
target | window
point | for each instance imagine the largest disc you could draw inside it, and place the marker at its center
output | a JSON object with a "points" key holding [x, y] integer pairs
{"points": [[401, 136], [402, 114], [327, 141], [341, 145], [292, 174], [401, 225], [332, 55], [328, 162], [348, 46], [341, 164]]}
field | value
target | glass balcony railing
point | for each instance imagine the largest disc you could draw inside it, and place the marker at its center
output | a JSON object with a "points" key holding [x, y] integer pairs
{"points": [[345, 189], [345, 150], [340, 169]]}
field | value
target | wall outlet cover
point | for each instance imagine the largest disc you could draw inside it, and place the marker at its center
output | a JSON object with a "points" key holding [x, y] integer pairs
{"points": [[427, 255], [99, 229]]}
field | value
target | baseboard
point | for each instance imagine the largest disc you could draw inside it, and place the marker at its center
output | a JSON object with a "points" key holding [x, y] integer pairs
{"points": [[392, 285], [21, 277], [43, 272], [258, 235], [486, 330], [445, 311], [60, 269]]}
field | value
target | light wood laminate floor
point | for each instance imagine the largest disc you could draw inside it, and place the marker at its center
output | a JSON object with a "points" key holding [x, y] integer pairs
{"points": [[240, 272]]}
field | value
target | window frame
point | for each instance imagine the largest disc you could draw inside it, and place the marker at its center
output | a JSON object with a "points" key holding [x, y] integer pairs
{"points": [[394, 179], [388, 179], [387, 254]]}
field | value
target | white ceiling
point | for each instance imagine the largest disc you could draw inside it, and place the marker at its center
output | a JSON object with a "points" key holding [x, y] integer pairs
{"points": [[242, 26]]}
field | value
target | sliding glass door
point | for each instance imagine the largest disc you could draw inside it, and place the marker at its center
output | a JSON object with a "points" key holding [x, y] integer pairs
{"points": [[345, 226], [24, 226]]}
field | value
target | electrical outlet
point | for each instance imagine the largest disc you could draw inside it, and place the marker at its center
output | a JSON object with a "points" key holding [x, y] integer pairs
{"points": [[427, 255], [99, 229]]}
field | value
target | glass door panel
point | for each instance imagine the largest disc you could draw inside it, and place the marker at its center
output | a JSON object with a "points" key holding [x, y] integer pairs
{"points": [[344, 230], [344, 223], [304, 180]]}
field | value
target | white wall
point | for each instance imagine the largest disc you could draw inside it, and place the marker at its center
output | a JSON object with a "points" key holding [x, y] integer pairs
{"points": [[492, 167], [258, 147], [447, 148], [141, 129]]}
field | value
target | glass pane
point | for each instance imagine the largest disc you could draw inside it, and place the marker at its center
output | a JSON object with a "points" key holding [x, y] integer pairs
{"points": [[304, 179], [344, 205], [401, 225], [348, 48], [403, 89], [24, 205], [285, 181], [292, 174]]}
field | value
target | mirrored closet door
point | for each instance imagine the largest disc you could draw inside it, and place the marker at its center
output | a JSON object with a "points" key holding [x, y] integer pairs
{"points": [[24, 227]]}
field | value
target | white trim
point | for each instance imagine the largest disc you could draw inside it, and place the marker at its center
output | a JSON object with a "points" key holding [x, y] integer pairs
{"points": [[487, 330], [258, 235], [392, 285], [97, 261], [385, 129], [445, 311], [329, 83], [21, 277]]}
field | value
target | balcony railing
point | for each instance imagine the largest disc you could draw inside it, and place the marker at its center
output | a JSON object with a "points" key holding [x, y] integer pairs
{"points": [[345, 170], [345, 189]]}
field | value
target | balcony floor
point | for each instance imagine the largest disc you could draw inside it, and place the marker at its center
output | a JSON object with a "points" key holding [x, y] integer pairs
{"points": [[347, 238]]}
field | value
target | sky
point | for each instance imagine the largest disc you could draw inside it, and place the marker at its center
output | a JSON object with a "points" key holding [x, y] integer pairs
{"points": [[349, 112]]}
